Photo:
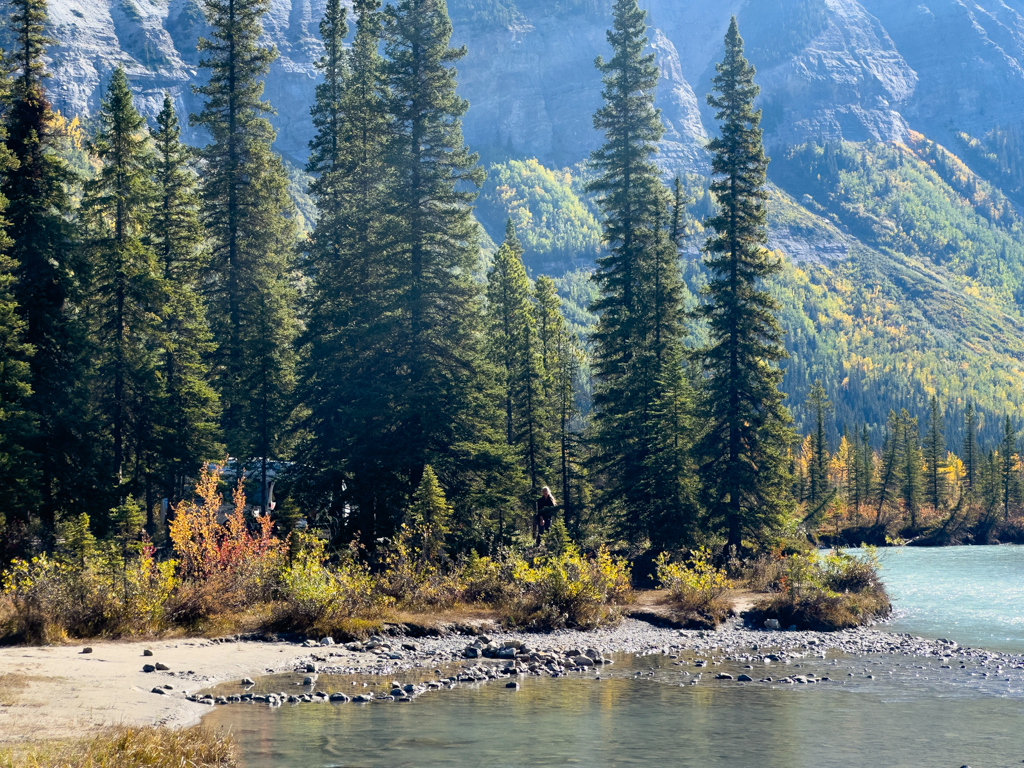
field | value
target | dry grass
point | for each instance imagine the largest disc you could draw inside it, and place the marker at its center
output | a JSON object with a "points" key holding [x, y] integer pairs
{"points": [[12, 684], [143, 747]]}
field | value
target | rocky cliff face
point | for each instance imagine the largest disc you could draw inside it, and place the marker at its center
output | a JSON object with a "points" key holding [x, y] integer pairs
{"points": [[850, 69]]}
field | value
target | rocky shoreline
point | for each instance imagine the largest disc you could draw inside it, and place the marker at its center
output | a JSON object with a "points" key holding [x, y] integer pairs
{"points": [[510, 657]]}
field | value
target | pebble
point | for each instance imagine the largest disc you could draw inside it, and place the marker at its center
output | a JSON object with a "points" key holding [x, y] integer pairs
{"points": [[569, 652], [87, 649], [147, 652]]}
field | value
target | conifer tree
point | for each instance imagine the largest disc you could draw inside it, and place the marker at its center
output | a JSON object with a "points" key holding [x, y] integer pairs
{"points": [[37, 188], [187, 425], [568, 360], [867, 464], [893, 464], [971, 457], [430, 514], [442, 388], [517, 350], [126, 286], [353, 305], [1008, 483], [820, 407], [250, 221], [913, 468], [550, 323], [935, 455], [640, 303], [743, 449], [18, 474]]}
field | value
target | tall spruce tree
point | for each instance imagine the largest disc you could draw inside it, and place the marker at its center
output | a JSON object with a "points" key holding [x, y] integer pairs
{"points": [[126, 286], [549, 321], [819, 406], [37, 189], [972, 459], [250, 222], [353, 305], [640, 306], [935, 455], [442, 388], [517, 350], [913, 490], [18, 473], [1008, 481], [893, 464], [743, 451], [188, 423]]}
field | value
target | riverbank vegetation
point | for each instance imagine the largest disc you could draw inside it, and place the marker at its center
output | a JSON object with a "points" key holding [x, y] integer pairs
{"points": [[395, 397], [128, 747]]}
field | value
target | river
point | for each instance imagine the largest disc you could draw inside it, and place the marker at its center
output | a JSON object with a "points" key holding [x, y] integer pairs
{"points": [[893, 711]]}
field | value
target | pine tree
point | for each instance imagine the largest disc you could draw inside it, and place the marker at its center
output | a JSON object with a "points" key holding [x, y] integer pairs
{"points": [[971, 457], [913, 468], [640, 303], [819, 405], [187, 425], [353, 307], [430, 514], [893, 464], [126, 286], [250, 221], [867, 465], [1008, 484], [517, 350], [37, 188], [443, 399], [18, 474], [549, 322], [935, 455], [852, 470], [744, 468]]}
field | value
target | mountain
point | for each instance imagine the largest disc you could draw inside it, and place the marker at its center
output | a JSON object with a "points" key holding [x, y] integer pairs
{"points": [[895, 129]]}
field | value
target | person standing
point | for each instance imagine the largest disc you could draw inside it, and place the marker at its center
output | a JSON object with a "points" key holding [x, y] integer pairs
{"points": [[545, 513]]}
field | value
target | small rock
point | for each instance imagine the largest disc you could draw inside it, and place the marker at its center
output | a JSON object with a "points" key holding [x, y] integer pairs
{"points": [[147, 652], [161, 667], [724, 676], [161, 691], [310, 680], [148, 668], [327, 641], [772, 624], [512, 686], [87, 649], [248, 681], [745, 679]]}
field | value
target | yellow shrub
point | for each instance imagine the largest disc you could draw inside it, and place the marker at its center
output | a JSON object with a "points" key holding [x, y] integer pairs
{"points": [[315, 592], [696, 584]]}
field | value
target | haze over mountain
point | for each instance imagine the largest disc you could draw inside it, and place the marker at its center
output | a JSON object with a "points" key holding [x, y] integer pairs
{"points": [[903, 238]]}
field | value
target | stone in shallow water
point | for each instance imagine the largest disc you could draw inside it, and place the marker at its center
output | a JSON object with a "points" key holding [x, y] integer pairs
{"points": [[512, 686]]}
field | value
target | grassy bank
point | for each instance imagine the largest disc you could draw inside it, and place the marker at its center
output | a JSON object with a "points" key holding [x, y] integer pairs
{"points": [[819, 592], [144, 747]]}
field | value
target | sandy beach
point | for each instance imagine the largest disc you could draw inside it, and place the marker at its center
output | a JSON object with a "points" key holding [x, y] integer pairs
{"points": [[55, 692]]}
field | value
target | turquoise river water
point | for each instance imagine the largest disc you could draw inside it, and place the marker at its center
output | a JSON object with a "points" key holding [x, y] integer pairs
{"points": [[882, 712]]}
